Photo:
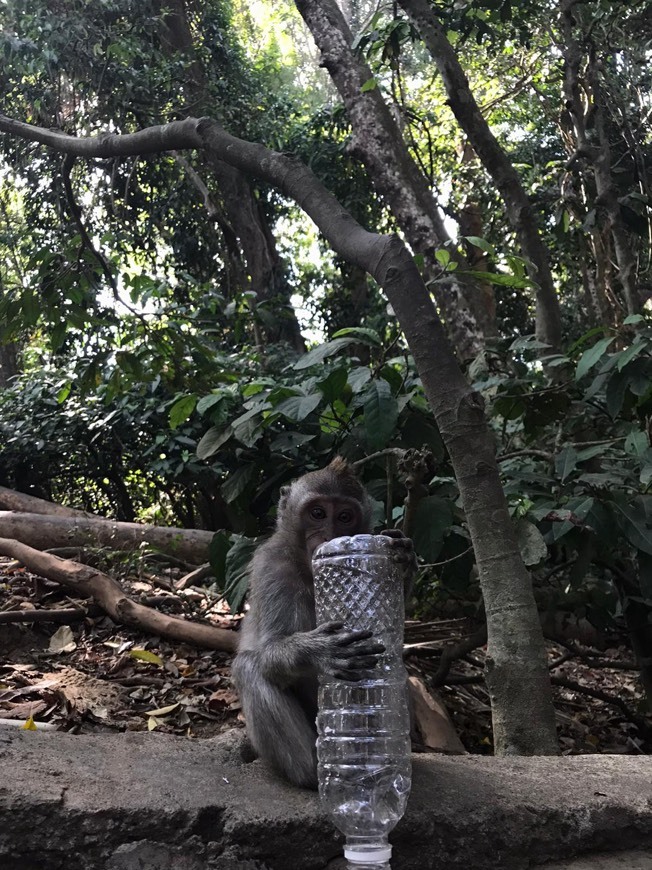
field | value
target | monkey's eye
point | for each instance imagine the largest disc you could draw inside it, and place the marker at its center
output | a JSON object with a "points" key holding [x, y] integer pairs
{"points": [[318, 513], [345, 517]]}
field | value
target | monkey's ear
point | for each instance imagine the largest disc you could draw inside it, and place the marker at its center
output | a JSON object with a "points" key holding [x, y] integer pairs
{"points": [[282, 502]]}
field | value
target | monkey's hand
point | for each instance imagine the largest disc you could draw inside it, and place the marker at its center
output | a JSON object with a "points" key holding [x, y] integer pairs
{"points": [[347, 655], [403, 549]]}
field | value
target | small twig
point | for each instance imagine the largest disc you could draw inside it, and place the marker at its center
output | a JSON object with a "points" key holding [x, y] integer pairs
{"points": [[612, 700], [565, 657], [62, 616], [539, 454], [20, 723], [398, 452], [463, 679], [448, 561], [594, 658], [457, 651], [190, 579]]}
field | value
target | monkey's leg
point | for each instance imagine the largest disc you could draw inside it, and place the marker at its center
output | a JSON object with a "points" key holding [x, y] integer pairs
{"points": [[277, 724]]}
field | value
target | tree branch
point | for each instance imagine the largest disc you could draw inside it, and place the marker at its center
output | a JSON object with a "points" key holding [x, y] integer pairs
{"points": [[111, 597]]}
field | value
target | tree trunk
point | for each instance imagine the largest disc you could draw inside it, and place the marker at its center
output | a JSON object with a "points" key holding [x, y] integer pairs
{"points": [[241, 218], [378, 142], [586, 104], [50, 532], [517, 673], [8, 363], [520, 212]]}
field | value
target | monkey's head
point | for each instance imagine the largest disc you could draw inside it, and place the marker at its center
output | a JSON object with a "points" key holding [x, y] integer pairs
{"points": [[323, 505]]}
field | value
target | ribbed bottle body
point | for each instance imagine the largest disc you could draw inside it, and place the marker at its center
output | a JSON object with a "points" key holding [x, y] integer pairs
{"points": [[363, 746]]}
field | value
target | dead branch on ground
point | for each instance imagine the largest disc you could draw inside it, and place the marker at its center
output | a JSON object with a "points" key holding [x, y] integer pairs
{"points": [[111, 597]]}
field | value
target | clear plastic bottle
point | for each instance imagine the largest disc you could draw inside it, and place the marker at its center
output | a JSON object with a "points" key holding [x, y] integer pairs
{"points": [[363, 747]]}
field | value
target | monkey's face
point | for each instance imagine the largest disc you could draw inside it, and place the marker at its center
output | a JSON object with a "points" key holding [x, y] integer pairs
{"points": [[325, 518]]}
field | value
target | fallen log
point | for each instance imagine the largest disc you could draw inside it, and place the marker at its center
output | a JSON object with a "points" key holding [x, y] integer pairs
{"points": [[111, 597], [12, 500], [48, 532]]}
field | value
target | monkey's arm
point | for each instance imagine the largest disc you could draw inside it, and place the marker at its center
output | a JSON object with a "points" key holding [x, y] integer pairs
{"points": [[327, 649], [404, 550]]}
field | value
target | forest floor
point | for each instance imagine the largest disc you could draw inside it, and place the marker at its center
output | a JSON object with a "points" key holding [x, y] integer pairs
{"points": [[94, 675]]}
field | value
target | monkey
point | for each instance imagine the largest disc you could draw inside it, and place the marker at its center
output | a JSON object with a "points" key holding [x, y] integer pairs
{"points": [[281, 650]]}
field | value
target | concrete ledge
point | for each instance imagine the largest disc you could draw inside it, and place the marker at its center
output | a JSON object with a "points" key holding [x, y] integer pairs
{"points": [[153, 802]]}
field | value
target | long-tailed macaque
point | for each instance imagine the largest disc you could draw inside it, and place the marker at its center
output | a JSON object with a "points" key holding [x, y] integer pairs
{"points": [[281, 650]]}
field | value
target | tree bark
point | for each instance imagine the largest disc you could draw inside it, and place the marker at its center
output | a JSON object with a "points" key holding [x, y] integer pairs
{"points": [[111, 597], [48, 532], [12, 500], [378, 142], [8, 363], [518, 207], [517, 674]]}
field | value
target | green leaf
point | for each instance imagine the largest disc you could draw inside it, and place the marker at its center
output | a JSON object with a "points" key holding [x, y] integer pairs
{"points": [[591, 356], [58, 334], [443, 257], [633, 523], [331, 387], [208, 402], [290, 442], [590, 452], [212, 441], [181, 410], [238, 482], [63, 393], [483, 244], [238, 567], [636, 443], [380, 414], [615, 394], [321, 352], [646, 476], [297, 408], [144, 655], [361, 334], [633, 318], [370, 85], [433, 518], [358, 378], [632, 351], [565, 462], [500, 279], [217, 553]]}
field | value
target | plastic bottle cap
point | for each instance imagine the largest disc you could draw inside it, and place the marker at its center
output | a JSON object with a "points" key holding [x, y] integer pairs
{"points": [[368, 856]]}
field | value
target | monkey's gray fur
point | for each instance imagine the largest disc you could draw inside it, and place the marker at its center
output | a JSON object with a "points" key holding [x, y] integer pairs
{"points": [[281, 651]]}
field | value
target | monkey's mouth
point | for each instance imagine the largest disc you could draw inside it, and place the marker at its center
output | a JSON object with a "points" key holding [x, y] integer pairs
{"points": [[316, 540]]}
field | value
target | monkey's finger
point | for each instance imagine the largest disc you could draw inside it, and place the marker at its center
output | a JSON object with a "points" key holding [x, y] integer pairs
{"points": [[360, 649], [350, 637], [353, 676], [329, 627], [360, 663]]}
